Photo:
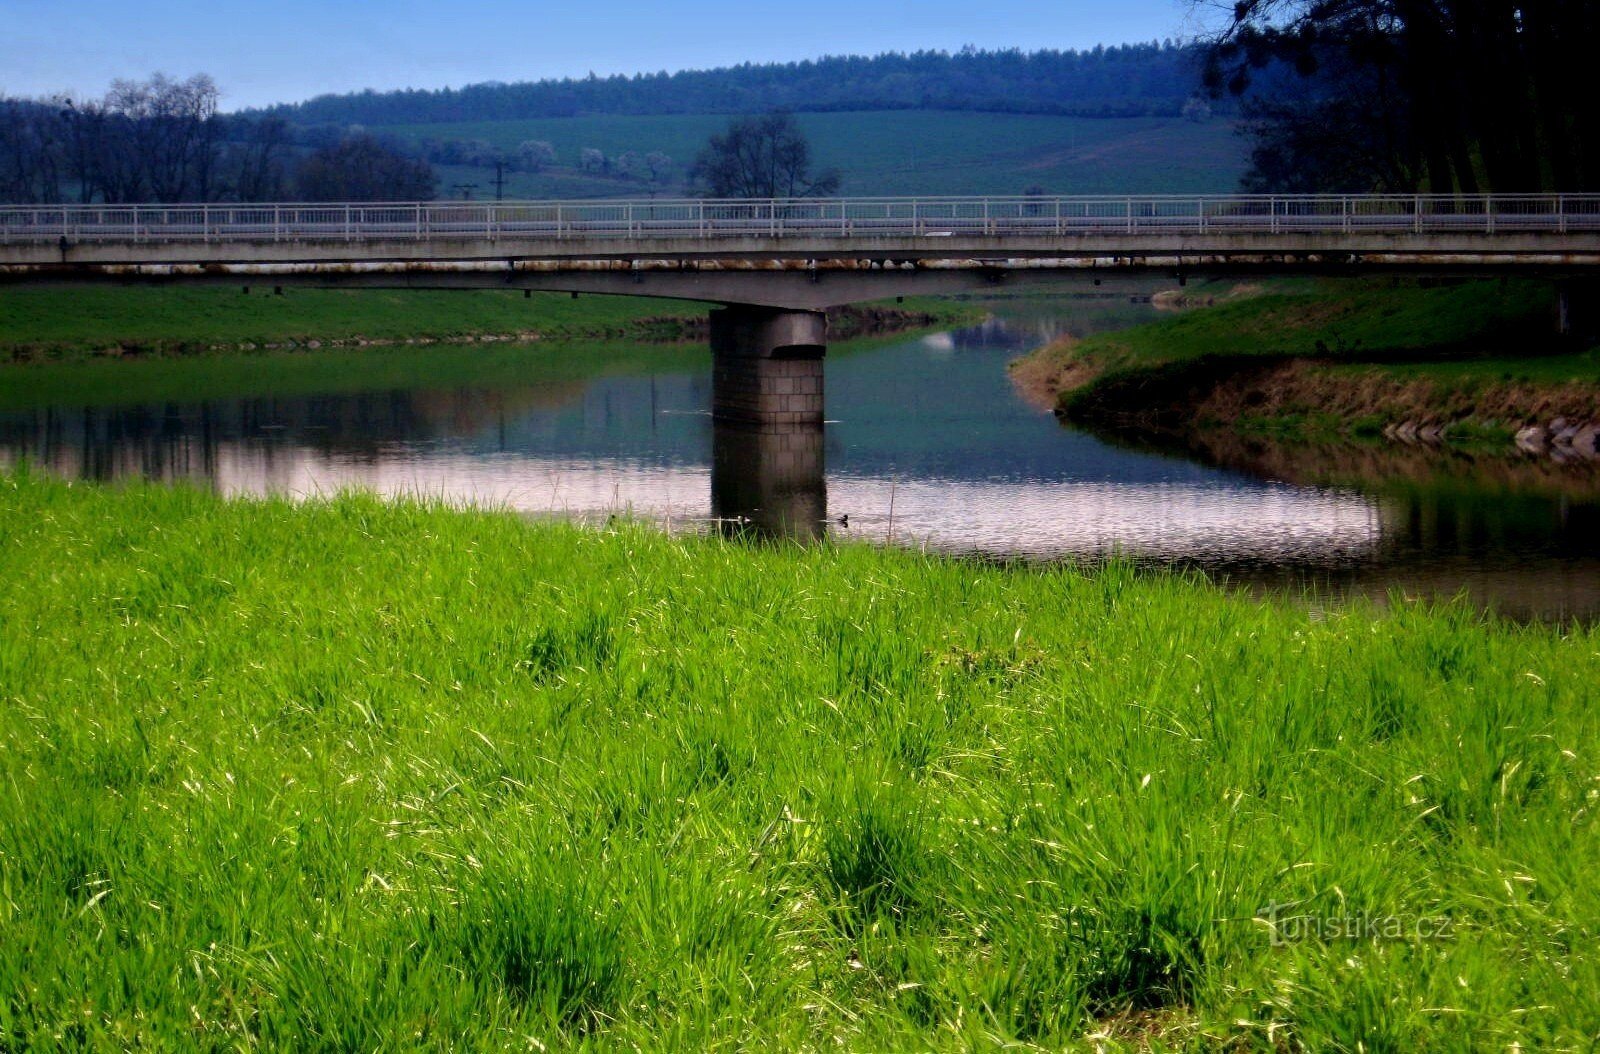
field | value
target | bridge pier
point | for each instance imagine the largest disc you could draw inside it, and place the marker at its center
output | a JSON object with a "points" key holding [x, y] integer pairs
{"points": [[767, 366], [1578, 308]]}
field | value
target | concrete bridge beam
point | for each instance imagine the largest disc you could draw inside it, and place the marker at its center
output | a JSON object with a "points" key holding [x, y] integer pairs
{"points": [[767, 366]]}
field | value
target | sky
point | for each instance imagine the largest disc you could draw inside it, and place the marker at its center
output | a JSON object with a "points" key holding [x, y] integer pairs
{"points": [[288, 50]]}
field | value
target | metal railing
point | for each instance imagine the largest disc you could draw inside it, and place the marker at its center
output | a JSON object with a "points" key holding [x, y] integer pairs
{"points": [[843, 218]]}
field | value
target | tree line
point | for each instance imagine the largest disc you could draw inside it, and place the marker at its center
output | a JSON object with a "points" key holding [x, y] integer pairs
{"points": [[163, 140], [1127, 80], [1447, 96]]}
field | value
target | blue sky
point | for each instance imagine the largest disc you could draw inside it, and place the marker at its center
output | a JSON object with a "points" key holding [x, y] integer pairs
{"points": [[284, 50]]}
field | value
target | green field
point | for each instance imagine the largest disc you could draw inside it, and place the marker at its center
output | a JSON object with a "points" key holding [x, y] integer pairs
{"points": [[360, 776], [1478, 357], [52, 322], [1350, 319], [897, 152], [577, 340]]}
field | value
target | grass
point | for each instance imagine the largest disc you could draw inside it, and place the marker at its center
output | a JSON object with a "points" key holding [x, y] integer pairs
{"points": [[899, 152], [225, 375], [1357, 319], [352, 775], [80, 379], [1309, 360], [66, 321], [1581, 366]]}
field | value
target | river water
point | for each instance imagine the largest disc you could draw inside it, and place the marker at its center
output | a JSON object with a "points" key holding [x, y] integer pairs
{"points": [[927, 445]]}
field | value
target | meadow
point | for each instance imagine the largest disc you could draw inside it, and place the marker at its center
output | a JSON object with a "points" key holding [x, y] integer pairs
{"points": [[895, 152], [364, 776], [1401, 321], [225, 345], [48, 322]]}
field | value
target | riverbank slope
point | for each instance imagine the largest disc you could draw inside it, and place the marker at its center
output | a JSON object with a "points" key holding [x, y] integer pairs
{"points": [[368, 775], [1467, 361]]}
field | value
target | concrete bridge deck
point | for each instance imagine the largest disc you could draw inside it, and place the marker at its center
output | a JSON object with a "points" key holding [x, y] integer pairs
{"points": [[799, 253]]}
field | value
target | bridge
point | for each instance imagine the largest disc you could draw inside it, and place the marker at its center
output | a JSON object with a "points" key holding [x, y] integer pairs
{"points": [[777, 264]]}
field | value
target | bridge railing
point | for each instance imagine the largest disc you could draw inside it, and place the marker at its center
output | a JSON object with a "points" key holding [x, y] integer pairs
{"points": [[804, 217]]}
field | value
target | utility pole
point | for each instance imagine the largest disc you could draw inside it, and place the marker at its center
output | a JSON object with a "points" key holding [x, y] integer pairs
{"points": [[466, 190], [499, 181]]}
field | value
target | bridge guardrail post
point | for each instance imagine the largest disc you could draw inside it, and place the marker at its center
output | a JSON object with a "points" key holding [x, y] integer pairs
{"points": [[1561, 214], [1416, 213], [1488, 214]]}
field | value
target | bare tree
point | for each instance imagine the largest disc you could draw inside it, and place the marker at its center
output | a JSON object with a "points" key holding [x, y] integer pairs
{"points": [[32, 158], [256, 159], [761, 157], [362, 168]]}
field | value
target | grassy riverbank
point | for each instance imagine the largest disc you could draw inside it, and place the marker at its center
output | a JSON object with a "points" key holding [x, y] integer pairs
{"points": [[1327, 358], [74, 324], [370, 776]]}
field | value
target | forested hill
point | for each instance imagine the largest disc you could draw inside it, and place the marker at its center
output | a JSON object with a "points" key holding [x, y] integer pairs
{"points": [[1130, 80]]}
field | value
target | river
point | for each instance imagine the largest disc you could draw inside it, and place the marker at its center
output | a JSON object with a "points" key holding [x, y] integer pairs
{"points": [[927, 445]]}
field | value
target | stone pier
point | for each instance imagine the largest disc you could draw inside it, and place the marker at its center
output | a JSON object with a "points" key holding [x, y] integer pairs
{"points": [[1578, 308], [767, 366]]}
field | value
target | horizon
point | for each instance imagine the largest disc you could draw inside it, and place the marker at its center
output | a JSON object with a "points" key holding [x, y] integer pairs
{"points": [[81, 50]]}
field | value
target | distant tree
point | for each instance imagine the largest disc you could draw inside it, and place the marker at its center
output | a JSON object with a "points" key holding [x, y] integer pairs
{"points": [[591, 160], [32, 158], [536, 154], [660, 166], [480, 153], [630, 165], [256, 159], [1446, 96], [760, 157], [152, 140], [363, 168], [1127, 80]]}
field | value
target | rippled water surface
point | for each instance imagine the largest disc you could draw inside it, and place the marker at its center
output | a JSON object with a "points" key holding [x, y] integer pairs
{"points": [[927, 444]]}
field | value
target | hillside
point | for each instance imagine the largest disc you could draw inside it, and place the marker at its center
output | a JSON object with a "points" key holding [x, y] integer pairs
{"points": [[1105, 120], [879, 152], [1125, 80]]}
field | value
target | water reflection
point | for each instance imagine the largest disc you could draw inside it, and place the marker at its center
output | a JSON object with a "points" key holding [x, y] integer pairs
{"points": [[770, 482], [927, 445]]}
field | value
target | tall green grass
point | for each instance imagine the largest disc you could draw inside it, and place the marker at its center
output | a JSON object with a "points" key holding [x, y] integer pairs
{"points": [[351, 775]]}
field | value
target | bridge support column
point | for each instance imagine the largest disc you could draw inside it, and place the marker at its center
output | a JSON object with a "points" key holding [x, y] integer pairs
{"points": [[767, 366], [1578, 308]]}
